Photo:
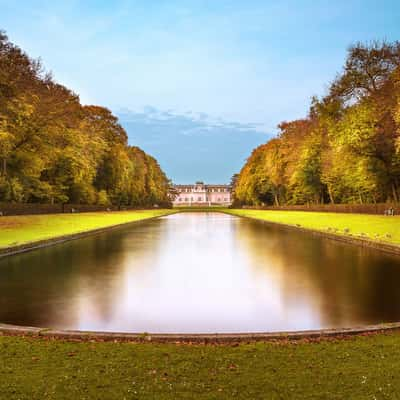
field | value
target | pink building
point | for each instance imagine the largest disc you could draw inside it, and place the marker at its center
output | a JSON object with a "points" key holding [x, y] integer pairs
{"points": [[202, 194]]}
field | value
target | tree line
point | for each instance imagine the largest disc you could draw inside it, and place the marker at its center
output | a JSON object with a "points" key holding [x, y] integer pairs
{"points": [[347, 150], [53, 149]]}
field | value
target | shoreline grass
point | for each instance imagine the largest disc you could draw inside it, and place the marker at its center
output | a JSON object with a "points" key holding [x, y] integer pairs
{"points": [[379, 228], [365, 367], [18, 230]]}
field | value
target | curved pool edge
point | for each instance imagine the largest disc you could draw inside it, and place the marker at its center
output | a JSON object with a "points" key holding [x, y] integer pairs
{"points": [[200, 338]]}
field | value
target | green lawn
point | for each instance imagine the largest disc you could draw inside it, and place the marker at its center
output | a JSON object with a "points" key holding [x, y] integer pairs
{"points": [[358, 368], [374, 227], [23, 229]]}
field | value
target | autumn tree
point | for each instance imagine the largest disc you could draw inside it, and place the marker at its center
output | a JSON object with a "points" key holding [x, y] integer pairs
{"points": [[347, 149], [53, 149]]}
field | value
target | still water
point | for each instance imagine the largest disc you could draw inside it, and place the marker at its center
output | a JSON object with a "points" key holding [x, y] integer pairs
{"points": [[200, 272]]}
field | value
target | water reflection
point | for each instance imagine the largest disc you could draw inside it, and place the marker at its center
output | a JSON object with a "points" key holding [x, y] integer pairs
{"points": [[200, 272]]}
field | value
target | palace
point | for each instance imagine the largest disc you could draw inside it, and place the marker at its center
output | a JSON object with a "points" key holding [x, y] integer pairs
{"points": [[201, 194]]}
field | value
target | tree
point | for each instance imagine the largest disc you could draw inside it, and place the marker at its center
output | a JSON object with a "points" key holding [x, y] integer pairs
{"points": [[53, 149], [367, 68], [346, 150]]}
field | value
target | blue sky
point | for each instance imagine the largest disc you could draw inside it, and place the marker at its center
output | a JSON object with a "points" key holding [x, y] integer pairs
{"points": [[223, 72]]}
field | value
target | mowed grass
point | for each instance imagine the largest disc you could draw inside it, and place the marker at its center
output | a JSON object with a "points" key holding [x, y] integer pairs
{"points": [[24, 229], [357, 368], [374, 227]]}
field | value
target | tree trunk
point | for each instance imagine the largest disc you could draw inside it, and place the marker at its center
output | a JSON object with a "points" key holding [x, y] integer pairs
{"points": [[332, 200], [276, 199], [395, 196], [4, 172]]}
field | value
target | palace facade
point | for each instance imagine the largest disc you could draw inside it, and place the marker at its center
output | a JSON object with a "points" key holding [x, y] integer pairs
{"points": [[202, 194]]}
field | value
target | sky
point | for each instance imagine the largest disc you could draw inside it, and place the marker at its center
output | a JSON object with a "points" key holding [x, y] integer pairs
{"points": [[198, 84]]}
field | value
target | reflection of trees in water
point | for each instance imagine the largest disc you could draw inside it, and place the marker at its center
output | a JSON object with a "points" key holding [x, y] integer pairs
{"points": [[349, 284], [46, 287]]}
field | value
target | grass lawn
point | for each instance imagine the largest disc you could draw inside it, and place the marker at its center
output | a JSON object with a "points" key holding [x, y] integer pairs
{"points": [[358, 368], [374, 227], [23, 229]]}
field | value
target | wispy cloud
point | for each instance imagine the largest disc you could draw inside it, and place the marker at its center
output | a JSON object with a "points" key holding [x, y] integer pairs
{"points": [[192, 146]]}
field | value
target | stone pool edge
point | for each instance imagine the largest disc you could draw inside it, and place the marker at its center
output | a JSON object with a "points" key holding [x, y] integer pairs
{"points": [[200, 338], [357, 241], [39, 244]]}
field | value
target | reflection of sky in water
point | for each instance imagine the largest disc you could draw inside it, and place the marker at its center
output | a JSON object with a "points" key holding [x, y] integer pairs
{"points": [[198, 279], [200, 273]]}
